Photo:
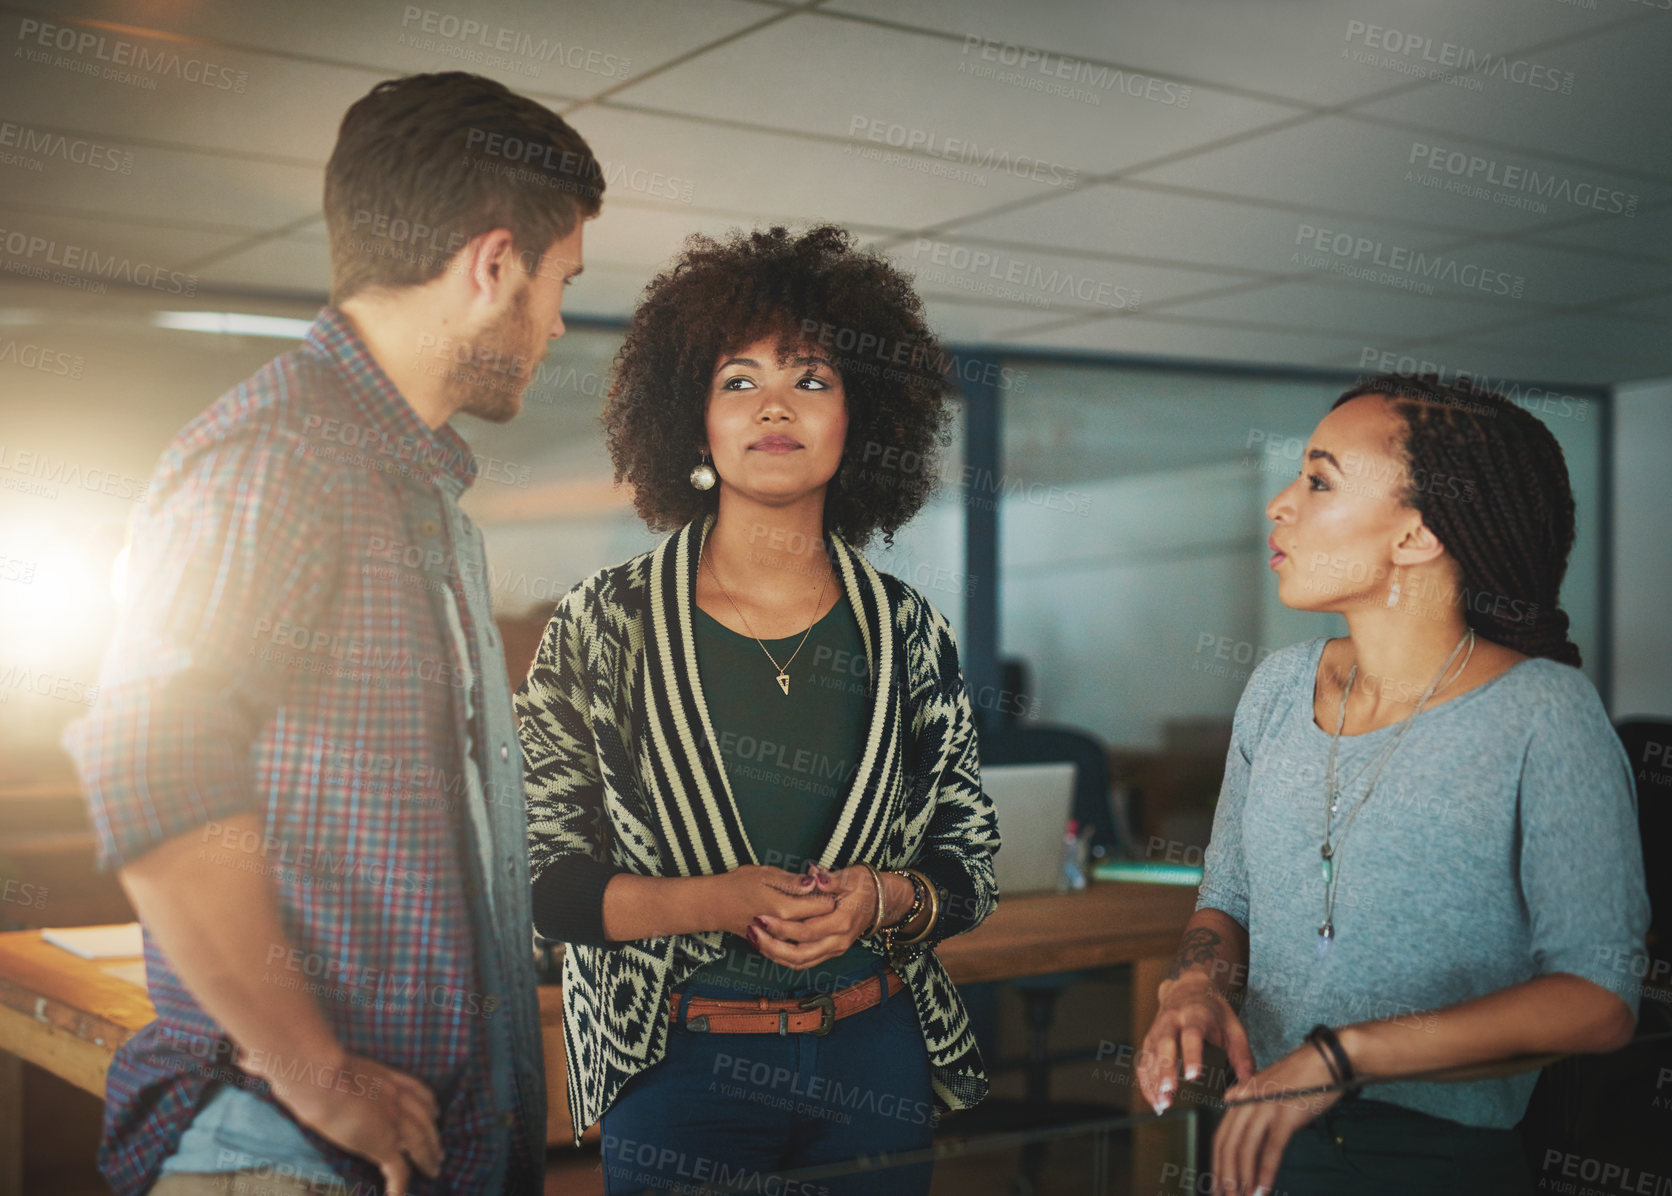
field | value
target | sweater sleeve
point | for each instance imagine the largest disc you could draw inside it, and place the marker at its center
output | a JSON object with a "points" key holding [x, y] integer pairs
{"points": [[963, 833], [1581, 861], [568, 829]]}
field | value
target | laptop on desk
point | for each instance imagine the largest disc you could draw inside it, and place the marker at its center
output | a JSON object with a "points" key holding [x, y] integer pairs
{"points": [[1034, 803]]}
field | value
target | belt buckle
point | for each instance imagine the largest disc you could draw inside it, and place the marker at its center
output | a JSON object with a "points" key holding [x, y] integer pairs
{"points": [[827, 1012]]}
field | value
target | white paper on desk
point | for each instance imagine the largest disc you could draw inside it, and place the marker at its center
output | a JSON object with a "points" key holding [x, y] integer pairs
{"points": [[98, 942], [132, 971]]}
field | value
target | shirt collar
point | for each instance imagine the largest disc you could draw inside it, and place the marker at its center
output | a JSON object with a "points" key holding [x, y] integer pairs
{"points": [[439, 454]]}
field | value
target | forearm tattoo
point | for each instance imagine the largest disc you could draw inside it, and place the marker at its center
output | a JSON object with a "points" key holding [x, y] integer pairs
{"points": [[1200, 946]]}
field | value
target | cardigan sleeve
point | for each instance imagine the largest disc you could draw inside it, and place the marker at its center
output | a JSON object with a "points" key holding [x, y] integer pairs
{"points": [[568, 839], [963, 833]]}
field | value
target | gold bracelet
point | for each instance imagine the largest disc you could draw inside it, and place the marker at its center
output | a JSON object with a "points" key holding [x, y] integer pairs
{"points": [[934, 910], [876, 879]]}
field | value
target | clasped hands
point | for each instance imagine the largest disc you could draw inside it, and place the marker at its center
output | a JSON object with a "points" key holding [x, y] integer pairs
{"points": [[802, 919]]}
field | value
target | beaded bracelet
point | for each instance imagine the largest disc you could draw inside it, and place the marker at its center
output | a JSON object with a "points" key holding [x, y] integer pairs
{"points": [[922, 888], [891, 934]]}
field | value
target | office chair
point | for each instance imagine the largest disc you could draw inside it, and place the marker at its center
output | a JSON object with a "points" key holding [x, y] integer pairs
{"points": [[1614, 1107]]}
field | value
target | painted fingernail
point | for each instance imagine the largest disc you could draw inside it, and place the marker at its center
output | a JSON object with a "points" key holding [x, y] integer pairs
{"points": [[1190, 1070], [754, 937]]}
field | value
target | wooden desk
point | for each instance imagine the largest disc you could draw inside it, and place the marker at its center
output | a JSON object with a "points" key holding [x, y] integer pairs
{"points": [[68, 1015]]}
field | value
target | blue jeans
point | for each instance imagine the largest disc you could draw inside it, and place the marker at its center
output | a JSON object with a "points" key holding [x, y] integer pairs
{"points": [[732, 1111]]}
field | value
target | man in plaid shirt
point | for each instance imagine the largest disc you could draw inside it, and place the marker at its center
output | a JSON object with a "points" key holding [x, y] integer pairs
{"points": [[304, 760]]}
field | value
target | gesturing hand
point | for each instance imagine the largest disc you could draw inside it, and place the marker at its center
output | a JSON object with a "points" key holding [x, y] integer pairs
{"points": [[376, 1112], [1249, 1143], [1192, 1012]]}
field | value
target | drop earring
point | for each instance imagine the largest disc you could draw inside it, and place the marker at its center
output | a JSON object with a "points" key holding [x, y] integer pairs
{"points": [[703, 476], [1393, 590]]}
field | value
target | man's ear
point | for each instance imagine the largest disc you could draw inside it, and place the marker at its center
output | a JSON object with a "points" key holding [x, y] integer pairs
{"points": [[488, 261]]}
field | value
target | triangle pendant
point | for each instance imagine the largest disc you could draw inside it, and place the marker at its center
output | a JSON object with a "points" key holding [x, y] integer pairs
{"points": [[784, 683]]}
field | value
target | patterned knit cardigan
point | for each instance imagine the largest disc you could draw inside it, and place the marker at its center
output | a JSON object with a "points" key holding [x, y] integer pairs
{"points": [[621, 777]]}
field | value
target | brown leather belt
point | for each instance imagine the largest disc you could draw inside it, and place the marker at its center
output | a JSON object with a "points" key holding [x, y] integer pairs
{"points": [[805, 1015]]}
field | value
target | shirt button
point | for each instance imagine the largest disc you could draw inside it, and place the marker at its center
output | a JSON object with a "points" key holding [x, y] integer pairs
{"points": [[504, 751], [430, 527], [508, 1120], [510, 865]]}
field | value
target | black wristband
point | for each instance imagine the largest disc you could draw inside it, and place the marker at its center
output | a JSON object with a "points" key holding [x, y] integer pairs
{"points": [[1329, 1063], [1324, 1039]]}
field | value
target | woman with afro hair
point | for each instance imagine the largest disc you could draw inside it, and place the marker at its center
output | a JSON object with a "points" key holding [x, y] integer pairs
{"points": [[753, 781], [1425, 855]]}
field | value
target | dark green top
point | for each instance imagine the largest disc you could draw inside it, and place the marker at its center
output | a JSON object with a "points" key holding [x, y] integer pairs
{"points": [[789, 758]]}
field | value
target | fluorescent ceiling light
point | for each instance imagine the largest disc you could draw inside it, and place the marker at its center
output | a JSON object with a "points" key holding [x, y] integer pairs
{"points": [[237, 323]]}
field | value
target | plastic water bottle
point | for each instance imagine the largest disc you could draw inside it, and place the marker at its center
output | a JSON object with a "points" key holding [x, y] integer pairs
{"points": [[1074, 845]]}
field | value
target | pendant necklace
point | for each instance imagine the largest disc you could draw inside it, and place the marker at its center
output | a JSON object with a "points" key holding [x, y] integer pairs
{"points": [[783, 677], [1331, 846]]}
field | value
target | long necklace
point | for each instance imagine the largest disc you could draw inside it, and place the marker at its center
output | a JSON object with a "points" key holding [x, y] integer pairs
{"points": [[783, 677], [1332, 794]]}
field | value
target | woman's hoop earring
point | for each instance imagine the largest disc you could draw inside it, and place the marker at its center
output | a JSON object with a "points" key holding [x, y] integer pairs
{"points": [[703, 476]]}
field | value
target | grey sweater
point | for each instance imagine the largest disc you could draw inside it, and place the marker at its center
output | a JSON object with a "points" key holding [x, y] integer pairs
{"points": [[1500, 844]]}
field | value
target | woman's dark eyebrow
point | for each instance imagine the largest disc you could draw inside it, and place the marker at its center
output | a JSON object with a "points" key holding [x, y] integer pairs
{"points": [[1326, 455], [755, 365]]}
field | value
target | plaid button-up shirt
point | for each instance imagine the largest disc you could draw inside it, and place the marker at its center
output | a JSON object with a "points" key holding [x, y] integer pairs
{"points": [[285, 650]]}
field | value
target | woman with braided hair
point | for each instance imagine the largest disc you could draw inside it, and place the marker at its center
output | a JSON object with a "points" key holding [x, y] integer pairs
{"points": [[1425, 854]]}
